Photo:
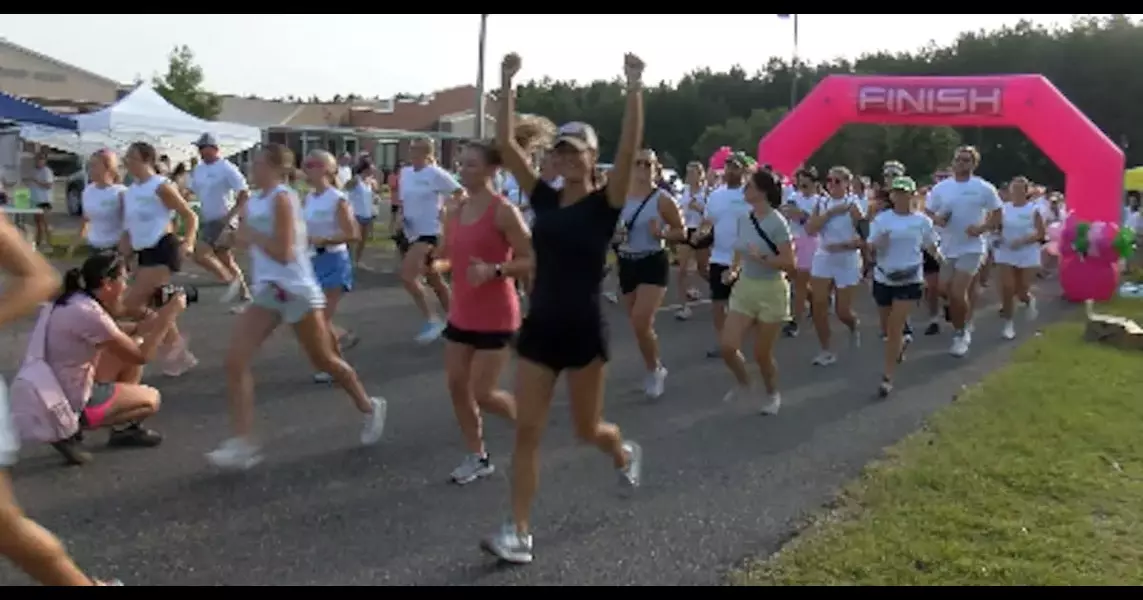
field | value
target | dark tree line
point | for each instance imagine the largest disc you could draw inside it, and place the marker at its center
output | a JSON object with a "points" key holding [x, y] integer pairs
{"points": [[1094, 61]]}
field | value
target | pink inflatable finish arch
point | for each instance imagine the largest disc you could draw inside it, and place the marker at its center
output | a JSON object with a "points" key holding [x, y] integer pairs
{"points": [[1093, 164]]}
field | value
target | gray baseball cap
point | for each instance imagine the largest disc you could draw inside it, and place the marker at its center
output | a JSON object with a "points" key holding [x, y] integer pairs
{"points": [[206, 140]]}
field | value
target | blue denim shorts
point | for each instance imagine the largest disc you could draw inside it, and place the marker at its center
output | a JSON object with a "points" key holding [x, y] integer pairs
{"points": [[333, 270]]}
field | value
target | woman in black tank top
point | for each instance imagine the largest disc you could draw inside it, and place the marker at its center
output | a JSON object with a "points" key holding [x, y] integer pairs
{"points": [[565, 329]]}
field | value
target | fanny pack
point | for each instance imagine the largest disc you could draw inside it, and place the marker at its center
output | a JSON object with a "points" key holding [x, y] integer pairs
{"points": [[906, 275]]}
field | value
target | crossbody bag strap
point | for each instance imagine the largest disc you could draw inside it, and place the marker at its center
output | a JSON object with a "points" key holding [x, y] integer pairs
{"points": [[762, 234], [631, 223], [38, 345]]}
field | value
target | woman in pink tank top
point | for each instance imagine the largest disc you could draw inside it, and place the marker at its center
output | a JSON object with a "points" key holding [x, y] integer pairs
{"points": [[486, 246]]}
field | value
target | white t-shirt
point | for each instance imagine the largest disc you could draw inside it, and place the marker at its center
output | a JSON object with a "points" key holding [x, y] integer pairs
{"points": [[805, 204], [40, 195], [421, 198], [724, 206], [344, 174], [103, 209], [908, 236], [692, 217], [145, 217], [966, 203], [215, 185]]}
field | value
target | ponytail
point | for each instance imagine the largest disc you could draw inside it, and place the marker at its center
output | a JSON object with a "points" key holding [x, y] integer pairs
{"points": [[90, 275], [73, 284]]}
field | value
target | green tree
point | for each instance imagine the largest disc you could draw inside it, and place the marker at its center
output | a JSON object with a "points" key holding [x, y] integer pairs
{"points": [[182, 85]]}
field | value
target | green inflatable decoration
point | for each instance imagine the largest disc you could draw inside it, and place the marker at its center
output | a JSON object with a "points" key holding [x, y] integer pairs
{"points": [[1081, 244], [1124, 243]]}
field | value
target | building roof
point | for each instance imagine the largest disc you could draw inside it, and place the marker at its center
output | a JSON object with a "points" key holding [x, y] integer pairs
{"points": [[403, 113], [59, 63]]}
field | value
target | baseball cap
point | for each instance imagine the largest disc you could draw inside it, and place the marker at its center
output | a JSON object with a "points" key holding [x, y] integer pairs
{"points": [[741, 159], [206, 140], [893, 167], [903, 184], [580, 136]]}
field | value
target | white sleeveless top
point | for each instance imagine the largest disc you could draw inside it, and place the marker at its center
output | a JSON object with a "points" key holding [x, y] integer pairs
{"points": [[145, 217], [361, 199], [295, 276], [320, 213], [103, 209]]}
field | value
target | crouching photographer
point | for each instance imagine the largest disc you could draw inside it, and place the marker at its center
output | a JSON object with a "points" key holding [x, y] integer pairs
{"points": [[96, 363]]}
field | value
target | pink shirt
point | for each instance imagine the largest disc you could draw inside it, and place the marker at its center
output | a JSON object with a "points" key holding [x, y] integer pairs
{"points": [[75, 332], [493, 306]]}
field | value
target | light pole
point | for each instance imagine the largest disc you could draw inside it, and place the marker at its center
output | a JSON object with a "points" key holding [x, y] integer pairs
{"points": [[794, 67], [480, 78]]}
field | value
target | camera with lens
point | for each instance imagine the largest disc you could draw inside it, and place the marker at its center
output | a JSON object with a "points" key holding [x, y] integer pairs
{"points": [[164, 294]]}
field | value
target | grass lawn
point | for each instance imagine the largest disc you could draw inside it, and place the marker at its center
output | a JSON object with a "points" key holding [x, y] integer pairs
{"points": [[1035, 477]]}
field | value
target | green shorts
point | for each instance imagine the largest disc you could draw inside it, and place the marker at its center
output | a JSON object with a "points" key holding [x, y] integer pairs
{"points": [[292, 307], [763, 300]]}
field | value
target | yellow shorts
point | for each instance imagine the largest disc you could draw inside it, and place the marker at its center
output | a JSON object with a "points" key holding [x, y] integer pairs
{"points": [[764, 300]]}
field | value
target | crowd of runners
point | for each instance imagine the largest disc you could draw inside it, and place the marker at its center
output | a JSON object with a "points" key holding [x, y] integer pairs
{"points": [[527, 220]]}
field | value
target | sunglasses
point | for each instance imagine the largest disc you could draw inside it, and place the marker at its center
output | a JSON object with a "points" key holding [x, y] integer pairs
{"points": [[834, 180], [642, 163]]}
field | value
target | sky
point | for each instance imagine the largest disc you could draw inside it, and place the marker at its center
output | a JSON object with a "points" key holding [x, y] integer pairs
{"points": [[381, 55]]}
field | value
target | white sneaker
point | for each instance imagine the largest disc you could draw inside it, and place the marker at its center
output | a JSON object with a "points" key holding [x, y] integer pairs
{"points": [[474, 467], [772, 405], [736, 394], [430, 332], [233, 291], [235, 453], [1008, 332], [825, 358], [959, 344], [655, 383], [375, 422], [323, 377]]}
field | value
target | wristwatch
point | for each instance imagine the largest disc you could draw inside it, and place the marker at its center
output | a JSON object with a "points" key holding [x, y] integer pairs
{"points": [[499, 270]]}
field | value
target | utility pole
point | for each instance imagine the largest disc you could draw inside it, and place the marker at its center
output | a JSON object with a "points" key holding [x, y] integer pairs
{"points": [[480, 100], [794, 71]]}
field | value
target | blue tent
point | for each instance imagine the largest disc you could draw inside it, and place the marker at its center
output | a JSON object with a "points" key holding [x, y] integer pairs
{"points": [[23, 112]]}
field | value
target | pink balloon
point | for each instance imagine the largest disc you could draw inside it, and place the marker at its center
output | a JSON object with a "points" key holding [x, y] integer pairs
{"points": [[718, 159], [1103, 242], [1083, 279], [1068, 238]]}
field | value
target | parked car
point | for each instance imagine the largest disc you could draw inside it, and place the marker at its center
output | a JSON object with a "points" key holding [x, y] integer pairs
{"points": [[73, 191]]}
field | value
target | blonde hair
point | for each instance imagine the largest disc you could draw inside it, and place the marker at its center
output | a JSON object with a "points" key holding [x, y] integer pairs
{"points": [[971, 150], [329, 162], [426, 142], [843, 171], [104, 157], [533, 132]]}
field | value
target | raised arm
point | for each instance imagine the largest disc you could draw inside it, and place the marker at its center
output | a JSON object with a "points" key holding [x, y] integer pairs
{"points": [[631, 136], [514, 156]]}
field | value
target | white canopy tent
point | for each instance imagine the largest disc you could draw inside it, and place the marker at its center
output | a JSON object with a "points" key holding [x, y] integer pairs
{"points": [[145, 116]]}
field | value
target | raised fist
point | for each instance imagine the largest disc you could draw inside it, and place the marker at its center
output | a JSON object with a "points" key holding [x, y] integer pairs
{"points": [[511, 65], [632, 67]]}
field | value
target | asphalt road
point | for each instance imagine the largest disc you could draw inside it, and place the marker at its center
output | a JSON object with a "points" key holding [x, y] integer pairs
{"points": [[722, 484]]}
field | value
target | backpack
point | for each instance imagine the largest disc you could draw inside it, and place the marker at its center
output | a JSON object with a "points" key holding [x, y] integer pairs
{"points": [[40, 409]]}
